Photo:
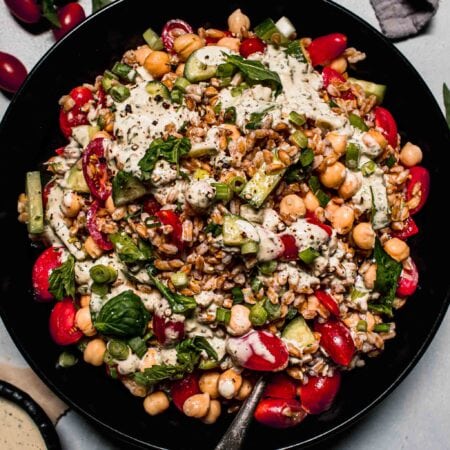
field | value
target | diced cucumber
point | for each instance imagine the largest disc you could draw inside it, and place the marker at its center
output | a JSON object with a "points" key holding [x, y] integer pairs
{"points": [[237, 231], [109, 80], [152, 39], [298, 331], [83, 134], [76, 181], [370, 88], [200, 149], [202, 64], [124, 71], [126, 188], [285, 27], [35, 206], [157, 90], [251, 214]]}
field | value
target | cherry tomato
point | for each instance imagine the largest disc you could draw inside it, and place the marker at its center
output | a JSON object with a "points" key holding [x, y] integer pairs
{"points": [[167, 331], [324, 49], [168, 217], [181, 390], [318, 393], [100, 238], [336, 340], [281, 386], [418, 184], [151, 206], [410, 229], [48, 260], [328, 301], [408, 280], [259, 350], [279, 412], [386, 122], [312, 218], [251, 45], [81, 95], [62, 323], [172, 29], [27, 11], [290, 252], [46, 192], [12, 72], [331, 76], [210, 40], [70, 15], [95, 169], [70, 119]]}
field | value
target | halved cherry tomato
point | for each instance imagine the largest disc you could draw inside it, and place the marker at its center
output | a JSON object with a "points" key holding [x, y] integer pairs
{"points": [[62, 323], [100, 238], [280, 386], [336, 340], [279, 412], [290, 252], [318, 393], [259, 350], [12, 72], [27, 11], [95, 169], [331, 76], [46, 192], [328, 301], [172, 29], [386, 122], [167, 331], [151, 206], [251, 45], [81, 95], [418, 184], [324, 49], [410, 229], [69, 15], [47, 261], [101, 97], [181, 390], [168, 217], [408, 280], [312, 218], [69, 119]]}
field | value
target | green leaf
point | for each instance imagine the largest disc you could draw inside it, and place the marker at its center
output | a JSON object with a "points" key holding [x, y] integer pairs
{"points": [[62, 280], [128, 251], [294, 49], [255, 71], [447, 102], [49, 12], [158, 373], [256, 118], [99, 4], [213, 228]]}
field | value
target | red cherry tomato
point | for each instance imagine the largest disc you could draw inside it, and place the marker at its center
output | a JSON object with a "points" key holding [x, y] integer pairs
{"points": [[312, 218], [279, 412], [172, 29], [95, 169], [48, 260], [259, 350], [27, 11], [100, 238], [337, 341], [386, 122], [408, 280], [62, 323], [331, 76], [410, 229], [45, 193], [12, 72], [81, 95], [328, 301], [101, 97], [324, 49], [251, 45], [69, 16], [168, 217], [167, 331], [70, 119], [318, 393], [290, 252], [281, 386], [151, 206], [183, 389], [418, 184]]}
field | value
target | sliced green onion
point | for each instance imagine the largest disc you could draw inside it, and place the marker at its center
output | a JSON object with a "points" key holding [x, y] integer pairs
{"points": [[181, 83], [258, 314], [391, 161], [113, 372], [124, 71], [238, 296], [109, 80], [225, 82], [179, 279], [299, 139], [176, 96], [323, 198], [352, 156], [99, 289], [237, 184], [269, 32], [256, 284], [223, 191], [207, 364], [103, 274], [118, 349], [306, 157], [223, 315], [297, 119], [273, 310], [138, 346], [249, 247], [308, 255], [67, 360], [268, 267], [153, 40], [314, 184], [119, 93], [225, 70], [357, 122], [382, 328], [229, 115], [368, 168], [361, 325]]}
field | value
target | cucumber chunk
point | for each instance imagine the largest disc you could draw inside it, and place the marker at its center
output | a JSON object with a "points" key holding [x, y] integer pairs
{"points": [[370, 88], [298, 331], [126, 188], [76, 180], [35, 206], [157, 90], [202, 64], [237, 231]]}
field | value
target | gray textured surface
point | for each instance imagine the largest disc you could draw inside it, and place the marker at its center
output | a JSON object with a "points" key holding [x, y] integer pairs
{"points": [[417, 415]]}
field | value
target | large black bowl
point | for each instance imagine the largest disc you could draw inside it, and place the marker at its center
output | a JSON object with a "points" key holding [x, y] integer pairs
{"points": [[29, 134]]}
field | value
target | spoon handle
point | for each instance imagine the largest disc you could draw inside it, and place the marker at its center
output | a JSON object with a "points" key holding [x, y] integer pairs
{"points": [[235, 435]]}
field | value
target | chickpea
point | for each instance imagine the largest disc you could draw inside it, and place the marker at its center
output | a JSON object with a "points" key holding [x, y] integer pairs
{"points": [[85, 300], [83, 321], [208, 384], [342, 219], [370, 276], [197, 405], [157, 64], [338, 142], [238, 22], [397, 249], [186, 44], [239, 320], [94, 352], [229, 42], [71, 204], [333, 176], [92, 249], [374, 139], [410, 155], [350, 186], [213, 412], [339, 64], [330, 210], [229, 383], [180, 70], [292, 206], [156, 403], [245, 390], [364, 236], [135, 389], [109, 205], [311, 201], [141, 54]]}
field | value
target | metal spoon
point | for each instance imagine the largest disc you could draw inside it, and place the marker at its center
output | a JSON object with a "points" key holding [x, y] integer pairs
{"points": [[235, 435]]}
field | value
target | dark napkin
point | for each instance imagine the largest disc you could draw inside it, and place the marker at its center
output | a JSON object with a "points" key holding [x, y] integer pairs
{"points": [[403, 18]]}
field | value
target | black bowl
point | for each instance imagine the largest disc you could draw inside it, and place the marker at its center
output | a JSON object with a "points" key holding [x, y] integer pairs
{"points": [[29, 134]]}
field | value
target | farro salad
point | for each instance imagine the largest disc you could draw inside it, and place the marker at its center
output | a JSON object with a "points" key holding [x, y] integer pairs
{"points": [[228, 202]]}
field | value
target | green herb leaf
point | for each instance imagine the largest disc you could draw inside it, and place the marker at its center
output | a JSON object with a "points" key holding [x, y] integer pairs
{"points": [[49, 12], [99, 4], [294, 49], [306, 157], [447, 102], [62, 279], [256, 118], [128, 251], [213, 228]]}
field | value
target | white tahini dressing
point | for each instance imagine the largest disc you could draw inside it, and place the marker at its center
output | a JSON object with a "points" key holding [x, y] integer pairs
{"points": [[241, 349]]}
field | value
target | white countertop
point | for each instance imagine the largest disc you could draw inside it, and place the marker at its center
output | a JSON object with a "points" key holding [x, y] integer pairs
{"points": [[416, 416]]}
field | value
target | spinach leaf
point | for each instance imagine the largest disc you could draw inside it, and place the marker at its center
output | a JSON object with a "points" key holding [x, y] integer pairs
{"points": [[99, 4], [62, 280], [256, 118], [128, 251], [49, 12], [447, 103], [123, 316], [255, 71]]}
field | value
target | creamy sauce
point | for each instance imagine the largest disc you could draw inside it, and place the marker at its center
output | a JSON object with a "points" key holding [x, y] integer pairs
{"points": [[241, 349], [200, 194], [270, 245], [308, 235]]}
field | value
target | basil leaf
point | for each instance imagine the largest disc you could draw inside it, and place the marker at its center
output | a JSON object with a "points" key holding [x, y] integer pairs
{"points": [[195, 345], [49, 12], [99, 4], [158, 373], [128, 251], [62, 280], [255, 71], [447, 102]]}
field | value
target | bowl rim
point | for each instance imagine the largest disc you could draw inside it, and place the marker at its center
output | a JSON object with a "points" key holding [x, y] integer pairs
{"points": [[319, 437]]}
